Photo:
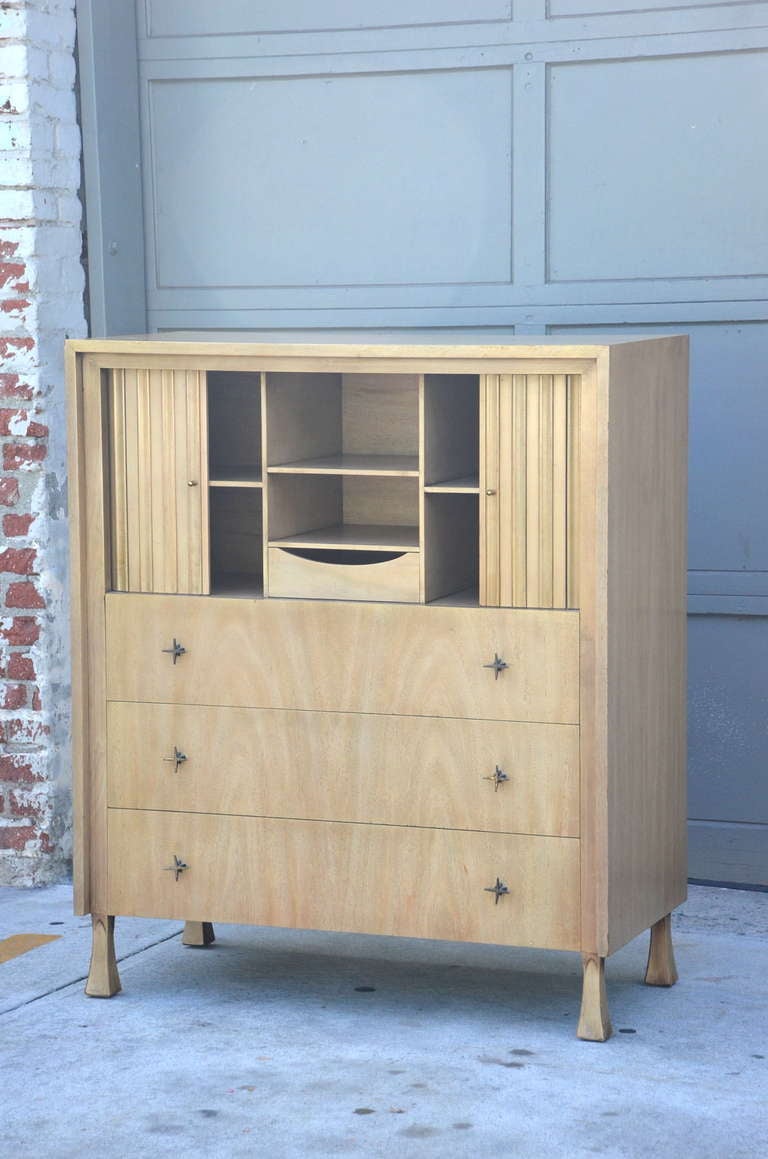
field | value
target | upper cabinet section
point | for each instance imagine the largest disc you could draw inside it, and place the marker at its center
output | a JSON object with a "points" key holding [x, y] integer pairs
{"points": [[396, 487], [467, 475]]}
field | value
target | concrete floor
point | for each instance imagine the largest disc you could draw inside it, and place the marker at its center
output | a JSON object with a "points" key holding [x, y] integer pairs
{"points": [[283, 1044]]}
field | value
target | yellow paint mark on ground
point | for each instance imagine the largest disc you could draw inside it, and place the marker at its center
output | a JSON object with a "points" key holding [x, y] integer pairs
{"points": [[21, 943]]}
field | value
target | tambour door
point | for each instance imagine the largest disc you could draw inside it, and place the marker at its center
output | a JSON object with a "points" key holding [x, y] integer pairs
{"points": [[158, 481], [530, 430]]}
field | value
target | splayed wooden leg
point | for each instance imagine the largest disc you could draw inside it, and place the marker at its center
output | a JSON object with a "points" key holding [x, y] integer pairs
{"points": [[198, 934], [661, 969], [594, 1020], [103, 978]]}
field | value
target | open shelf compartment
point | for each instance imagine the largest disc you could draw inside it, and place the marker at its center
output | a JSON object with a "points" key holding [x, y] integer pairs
{"points": [[343, 424], [237, 541], [234, 429]]}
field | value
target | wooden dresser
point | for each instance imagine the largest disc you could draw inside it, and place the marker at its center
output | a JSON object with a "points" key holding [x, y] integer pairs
{"points": [[382, 638]]}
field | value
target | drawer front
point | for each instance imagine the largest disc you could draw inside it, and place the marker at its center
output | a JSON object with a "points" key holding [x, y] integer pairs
{"points": [[345, 767], [348, 657], [297, 577], [421, 883]]}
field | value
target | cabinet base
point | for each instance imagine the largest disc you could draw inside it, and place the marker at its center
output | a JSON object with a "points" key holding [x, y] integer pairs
{"points": [[198, 934], [103, 978], [594, 1019], [661, 969]]}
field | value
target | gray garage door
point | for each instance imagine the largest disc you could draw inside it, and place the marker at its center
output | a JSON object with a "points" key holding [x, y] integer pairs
{"points": [[542, 165]]}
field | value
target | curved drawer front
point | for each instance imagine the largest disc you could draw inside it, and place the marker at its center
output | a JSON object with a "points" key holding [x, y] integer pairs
{"points": [[419, 883], [450, 774], [349, 657], [292, 574]]}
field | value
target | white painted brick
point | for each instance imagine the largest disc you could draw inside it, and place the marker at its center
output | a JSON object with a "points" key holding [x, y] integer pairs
{"points": [[55, 28], [17, 205], [13, 60], [65, 173], [15, 135], [14, 24], [16, 169], [23, 61], [61, 69], [67, 139], [14, 98], [54, 241], [52, 102], [70, 208], [28, 205]]}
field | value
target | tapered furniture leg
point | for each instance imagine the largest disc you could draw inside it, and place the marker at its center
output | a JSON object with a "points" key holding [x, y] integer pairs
{"points": [[198, 934], [661, 969], [594, 1020], [103, 978]]}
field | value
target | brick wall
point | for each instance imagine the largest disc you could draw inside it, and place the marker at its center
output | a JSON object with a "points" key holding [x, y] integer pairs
{"points": [[41, 303]]}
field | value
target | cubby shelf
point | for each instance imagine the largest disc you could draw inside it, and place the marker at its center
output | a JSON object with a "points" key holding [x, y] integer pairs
{"points": [[392, 466], [468, 485], [355, 537], [240, 584], [235, 477]]}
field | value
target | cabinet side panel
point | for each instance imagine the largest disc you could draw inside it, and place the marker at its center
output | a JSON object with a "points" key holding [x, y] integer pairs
{"points": [[91, 807], [78, 572], [646, 634]]}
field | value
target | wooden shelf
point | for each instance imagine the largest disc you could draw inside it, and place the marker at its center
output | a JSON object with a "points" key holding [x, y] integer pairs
{"points": [[468, 598], [235, 477], [355, 537], [241, 584], [392, 466], [469, 485]]}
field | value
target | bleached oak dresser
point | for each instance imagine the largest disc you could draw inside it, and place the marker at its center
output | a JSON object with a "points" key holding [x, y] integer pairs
{"points": [[386, 638]]}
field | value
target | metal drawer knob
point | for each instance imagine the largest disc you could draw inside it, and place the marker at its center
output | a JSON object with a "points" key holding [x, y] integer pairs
{"points": [[497, 664], [175, 650], [177, 759], [177, 868], [498, 778], [499, 889]]}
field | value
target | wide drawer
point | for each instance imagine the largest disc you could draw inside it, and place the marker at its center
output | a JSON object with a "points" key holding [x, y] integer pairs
{"points": [[348, 657], [327, 577], [422, 883], [453, 774]]}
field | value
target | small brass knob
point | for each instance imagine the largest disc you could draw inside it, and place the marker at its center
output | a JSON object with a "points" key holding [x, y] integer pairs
{"points": [[192, 482], [490, 491]]}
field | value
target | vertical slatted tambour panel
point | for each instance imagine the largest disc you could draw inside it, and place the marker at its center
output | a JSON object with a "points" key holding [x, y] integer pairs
{"points": [[536, 499], [159, 521]]}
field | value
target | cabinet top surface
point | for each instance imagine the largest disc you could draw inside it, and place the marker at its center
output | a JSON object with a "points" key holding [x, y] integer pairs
{"points": [[406, 344]]}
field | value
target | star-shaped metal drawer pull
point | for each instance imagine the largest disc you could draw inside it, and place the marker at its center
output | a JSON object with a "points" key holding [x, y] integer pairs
{"points": [[175, 650], [177, 868], [497, 664], [498, 778], [499, 889], [177, 759]]}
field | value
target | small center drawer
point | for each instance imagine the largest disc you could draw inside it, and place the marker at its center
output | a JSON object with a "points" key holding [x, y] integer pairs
{"points": [[400, 659], [377, 879], [451, 774], [339, 575]]}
